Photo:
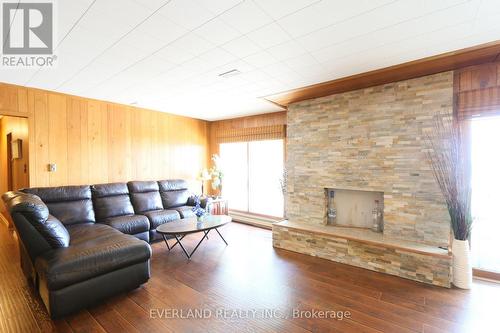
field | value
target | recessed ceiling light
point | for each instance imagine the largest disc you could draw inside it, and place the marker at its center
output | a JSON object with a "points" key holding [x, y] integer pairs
{"points": [[230, 73]]}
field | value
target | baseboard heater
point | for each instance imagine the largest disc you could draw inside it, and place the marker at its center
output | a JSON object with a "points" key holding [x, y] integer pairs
{"points": [[256, 220]]}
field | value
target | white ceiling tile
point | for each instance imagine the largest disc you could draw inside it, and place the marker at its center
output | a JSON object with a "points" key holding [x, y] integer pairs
{"points": [[219, 6], [52, 78], [67, 13], [16, 76], [260, 59], [286, 50], [186, 13], [246, 17], [174, 54], [404, 31], [382, 17], [142, 43], [255, 76], [217, 32], [301, 61], [161, 28], [269, 36], [149, 68], [486, 23], [89, 78], [278, 8], [326, 13], [241, 47], [194, 66], [122, 54], [152, 4], [109, 28], [217, 57], [185, 48], [240, 65], [128, 12], [279, 71], [122, 51], [82, 39]]}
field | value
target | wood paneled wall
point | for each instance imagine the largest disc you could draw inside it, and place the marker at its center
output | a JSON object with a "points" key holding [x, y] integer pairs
{"points": [[94, 141]]}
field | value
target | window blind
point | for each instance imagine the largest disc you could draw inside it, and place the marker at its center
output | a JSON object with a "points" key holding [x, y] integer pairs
{"points": [[477, 91], [271, 132], [478, 103]]}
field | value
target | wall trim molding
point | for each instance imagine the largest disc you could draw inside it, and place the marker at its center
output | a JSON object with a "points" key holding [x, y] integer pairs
{"points": [[453, 60]]}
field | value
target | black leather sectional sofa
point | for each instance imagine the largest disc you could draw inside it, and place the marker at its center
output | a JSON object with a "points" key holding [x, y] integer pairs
{"points": [[82, 244]]}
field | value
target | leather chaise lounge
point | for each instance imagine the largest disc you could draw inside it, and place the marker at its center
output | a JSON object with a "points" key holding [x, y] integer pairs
{"points": [[82, 244]]}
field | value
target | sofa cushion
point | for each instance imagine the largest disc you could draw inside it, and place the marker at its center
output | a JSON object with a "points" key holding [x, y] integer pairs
{"points": [[144, 196], [159, 217], [128, 224], [69, 204], [173, 192], [111, 200], [95, 249], [172, 185], [142, 186], [185, 211]]}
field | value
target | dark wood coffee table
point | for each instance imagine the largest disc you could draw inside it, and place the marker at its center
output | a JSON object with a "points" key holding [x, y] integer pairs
{"points": [[180, 228]]}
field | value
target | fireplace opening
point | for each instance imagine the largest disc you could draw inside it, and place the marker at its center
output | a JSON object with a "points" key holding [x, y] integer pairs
{"points": [[355, 208]]}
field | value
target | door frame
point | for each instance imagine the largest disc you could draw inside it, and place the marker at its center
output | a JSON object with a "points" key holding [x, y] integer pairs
{"points": [[31, 139], [10, 174]]}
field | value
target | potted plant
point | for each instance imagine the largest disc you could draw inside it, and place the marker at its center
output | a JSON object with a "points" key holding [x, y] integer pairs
{"points": [[216, 174], [198, 210], [447, 159]]}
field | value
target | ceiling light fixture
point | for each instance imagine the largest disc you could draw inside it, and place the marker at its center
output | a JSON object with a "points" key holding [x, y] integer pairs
{"points": [[230, 73]]}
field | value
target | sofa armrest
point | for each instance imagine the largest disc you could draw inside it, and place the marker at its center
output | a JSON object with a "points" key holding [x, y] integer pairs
{"points": [[34, 210]]}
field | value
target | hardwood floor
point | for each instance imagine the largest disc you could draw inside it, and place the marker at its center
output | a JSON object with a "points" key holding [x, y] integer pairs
{"points": [[250, 274]]}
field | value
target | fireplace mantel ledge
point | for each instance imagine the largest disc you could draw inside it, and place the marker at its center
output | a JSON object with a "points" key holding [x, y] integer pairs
{"points": [[366, 236]]}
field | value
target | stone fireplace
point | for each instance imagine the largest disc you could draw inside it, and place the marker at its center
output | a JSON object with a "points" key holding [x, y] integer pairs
{"points": [[368, 145]]}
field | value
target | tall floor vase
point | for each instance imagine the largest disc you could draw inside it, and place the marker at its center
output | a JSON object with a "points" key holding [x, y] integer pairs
{"points": [[462, 264]]}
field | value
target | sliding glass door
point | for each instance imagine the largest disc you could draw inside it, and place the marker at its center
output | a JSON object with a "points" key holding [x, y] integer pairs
{"points": [[486, 194], [252, 173]]}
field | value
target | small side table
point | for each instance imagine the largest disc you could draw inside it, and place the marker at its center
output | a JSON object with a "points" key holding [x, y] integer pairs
{"points": [[219, 207]]}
